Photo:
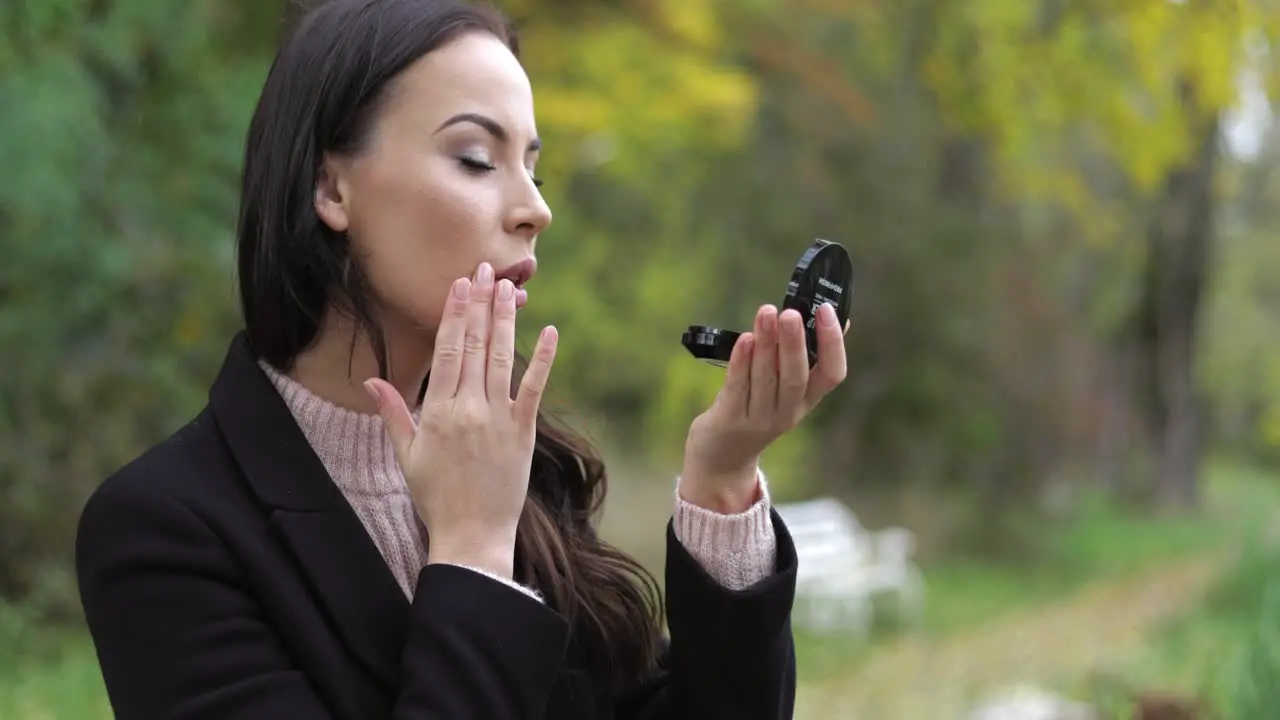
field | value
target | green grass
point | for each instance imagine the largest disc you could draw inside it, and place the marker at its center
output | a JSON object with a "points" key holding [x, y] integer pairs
{"points": [[1225, 654], [70, 687], [1099, 542], [48, 675]]}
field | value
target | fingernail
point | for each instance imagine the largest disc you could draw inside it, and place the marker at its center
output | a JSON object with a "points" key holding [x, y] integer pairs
{"points": [[373, 392], [505, 289], [485, 273], [829, 314], [461, 288]]}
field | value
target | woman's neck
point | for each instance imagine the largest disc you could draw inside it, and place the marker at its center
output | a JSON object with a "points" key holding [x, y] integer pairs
{"points": [[330, 370]]}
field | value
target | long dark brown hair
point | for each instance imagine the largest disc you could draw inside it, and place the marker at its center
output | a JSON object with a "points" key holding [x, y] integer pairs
{"points": [[324, 91]]}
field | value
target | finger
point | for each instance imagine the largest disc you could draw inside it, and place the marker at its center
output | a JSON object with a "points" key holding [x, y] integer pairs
{"points": [[831, 368], [736, 392], [534, 383], [395, 417], [764, 364], [847, 323], [475, 342], [446, 360], [793, 363], [502, 343]]}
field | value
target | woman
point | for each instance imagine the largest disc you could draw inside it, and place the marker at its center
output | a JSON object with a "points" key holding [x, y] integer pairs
{"points": [[308, 547]]}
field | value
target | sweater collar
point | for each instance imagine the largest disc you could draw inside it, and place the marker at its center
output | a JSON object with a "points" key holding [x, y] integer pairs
{"points": [[354, 446]]}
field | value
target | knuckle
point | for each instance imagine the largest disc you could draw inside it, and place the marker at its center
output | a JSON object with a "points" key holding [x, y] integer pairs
{"points": [[540, 364], [837, 375], [434, 419], [535, 377], [449, 351], [470, 416], [534, 384], [473, 342], [501, 358]]}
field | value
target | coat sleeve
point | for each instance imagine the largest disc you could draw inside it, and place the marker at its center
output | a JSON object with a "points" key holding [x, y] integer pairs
{"points": [[731, 653], [179, 634]]}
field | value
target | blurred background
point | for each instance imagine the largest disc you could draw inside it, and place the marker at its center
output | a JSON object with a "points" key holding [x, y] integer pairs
{"points": [[1064, 374]]}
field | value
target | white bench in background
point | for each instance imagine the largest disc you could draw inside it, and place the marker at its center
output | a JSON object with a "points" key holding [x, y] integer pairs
{"points": [[843, 567], [1032, 703]]}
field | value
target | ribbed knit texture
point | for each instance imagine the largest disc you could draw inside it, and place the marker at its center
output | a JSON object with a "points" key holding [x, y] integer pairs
{"points": [[736, 550]]}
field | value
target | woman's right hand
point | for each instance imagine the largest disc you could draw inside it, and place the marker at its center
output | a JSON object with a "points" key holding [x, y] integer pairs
{"points": [[467, 461]]}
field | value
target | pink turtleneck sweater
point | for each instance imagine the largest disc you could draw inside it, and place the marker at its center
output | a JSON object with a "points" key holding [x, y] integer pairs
{"points": [[736, 550]]}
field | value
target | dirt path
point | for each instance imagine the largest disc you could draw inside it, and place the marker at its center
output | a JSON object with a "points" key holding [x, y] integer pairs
{"points": [[1097, 627]]}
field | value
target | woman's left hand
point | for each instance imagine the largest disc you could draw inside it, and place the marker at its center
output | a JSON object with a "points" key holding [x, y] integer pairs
{"points": [[768, 389]]}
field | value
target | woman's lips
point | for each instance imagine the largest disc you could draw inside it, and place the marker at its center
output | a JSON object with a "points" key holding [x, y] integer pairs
{"points": [[519, 273]]}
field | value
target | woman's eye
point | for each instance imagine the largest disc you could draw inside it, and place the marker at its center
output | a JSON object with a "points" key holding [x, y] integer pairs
{"points": [[476, 165]]}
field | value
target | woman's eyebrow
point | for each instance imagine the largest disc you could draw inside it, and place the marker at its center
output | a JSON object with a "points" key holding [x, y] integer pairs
{"points": [[493, 126]]}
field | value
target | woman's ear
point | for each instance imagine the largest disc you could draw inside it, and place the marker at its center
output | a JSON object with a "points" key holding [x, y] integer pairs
{"points": [[331, 196]]}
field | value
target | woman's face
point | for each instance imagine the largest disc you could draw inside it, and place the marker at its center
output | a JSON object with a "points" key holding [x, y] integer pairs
{"points": [[445, 180]]}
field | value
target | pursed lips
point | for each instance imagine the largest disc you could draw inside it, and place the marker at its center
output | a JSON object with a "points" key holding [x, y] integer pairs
{"points": [[519, 273]]}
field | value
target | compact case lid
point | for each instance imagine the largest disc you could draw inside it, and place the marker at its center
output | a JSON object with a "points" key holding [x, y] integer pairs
{"points": [[824, 274], [710, 344]]}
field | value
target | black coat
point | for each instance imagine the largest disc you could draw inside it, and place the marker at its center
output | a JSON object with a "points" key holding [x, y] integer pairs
{"points": [[224, 576]]}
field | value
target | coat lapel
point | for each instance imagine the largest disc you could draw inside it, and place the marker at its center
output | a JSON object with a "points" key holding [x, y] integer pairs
{"points": [[335, 552]]}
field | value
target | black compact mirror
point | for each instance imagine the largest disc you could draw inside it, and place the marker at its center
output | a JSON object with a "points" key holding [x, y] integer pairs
{"points": [[823, 275]]}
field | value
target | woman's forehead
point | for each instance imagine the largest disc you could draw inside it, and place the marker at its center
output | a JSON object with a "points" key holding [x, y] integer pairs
{"points": [[474, 73]]}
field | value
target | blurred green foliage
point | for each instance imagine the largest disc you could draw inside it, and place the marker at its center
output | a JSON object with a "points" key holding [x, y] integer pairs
{"points": [[997, 169], [1224, 654]]}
